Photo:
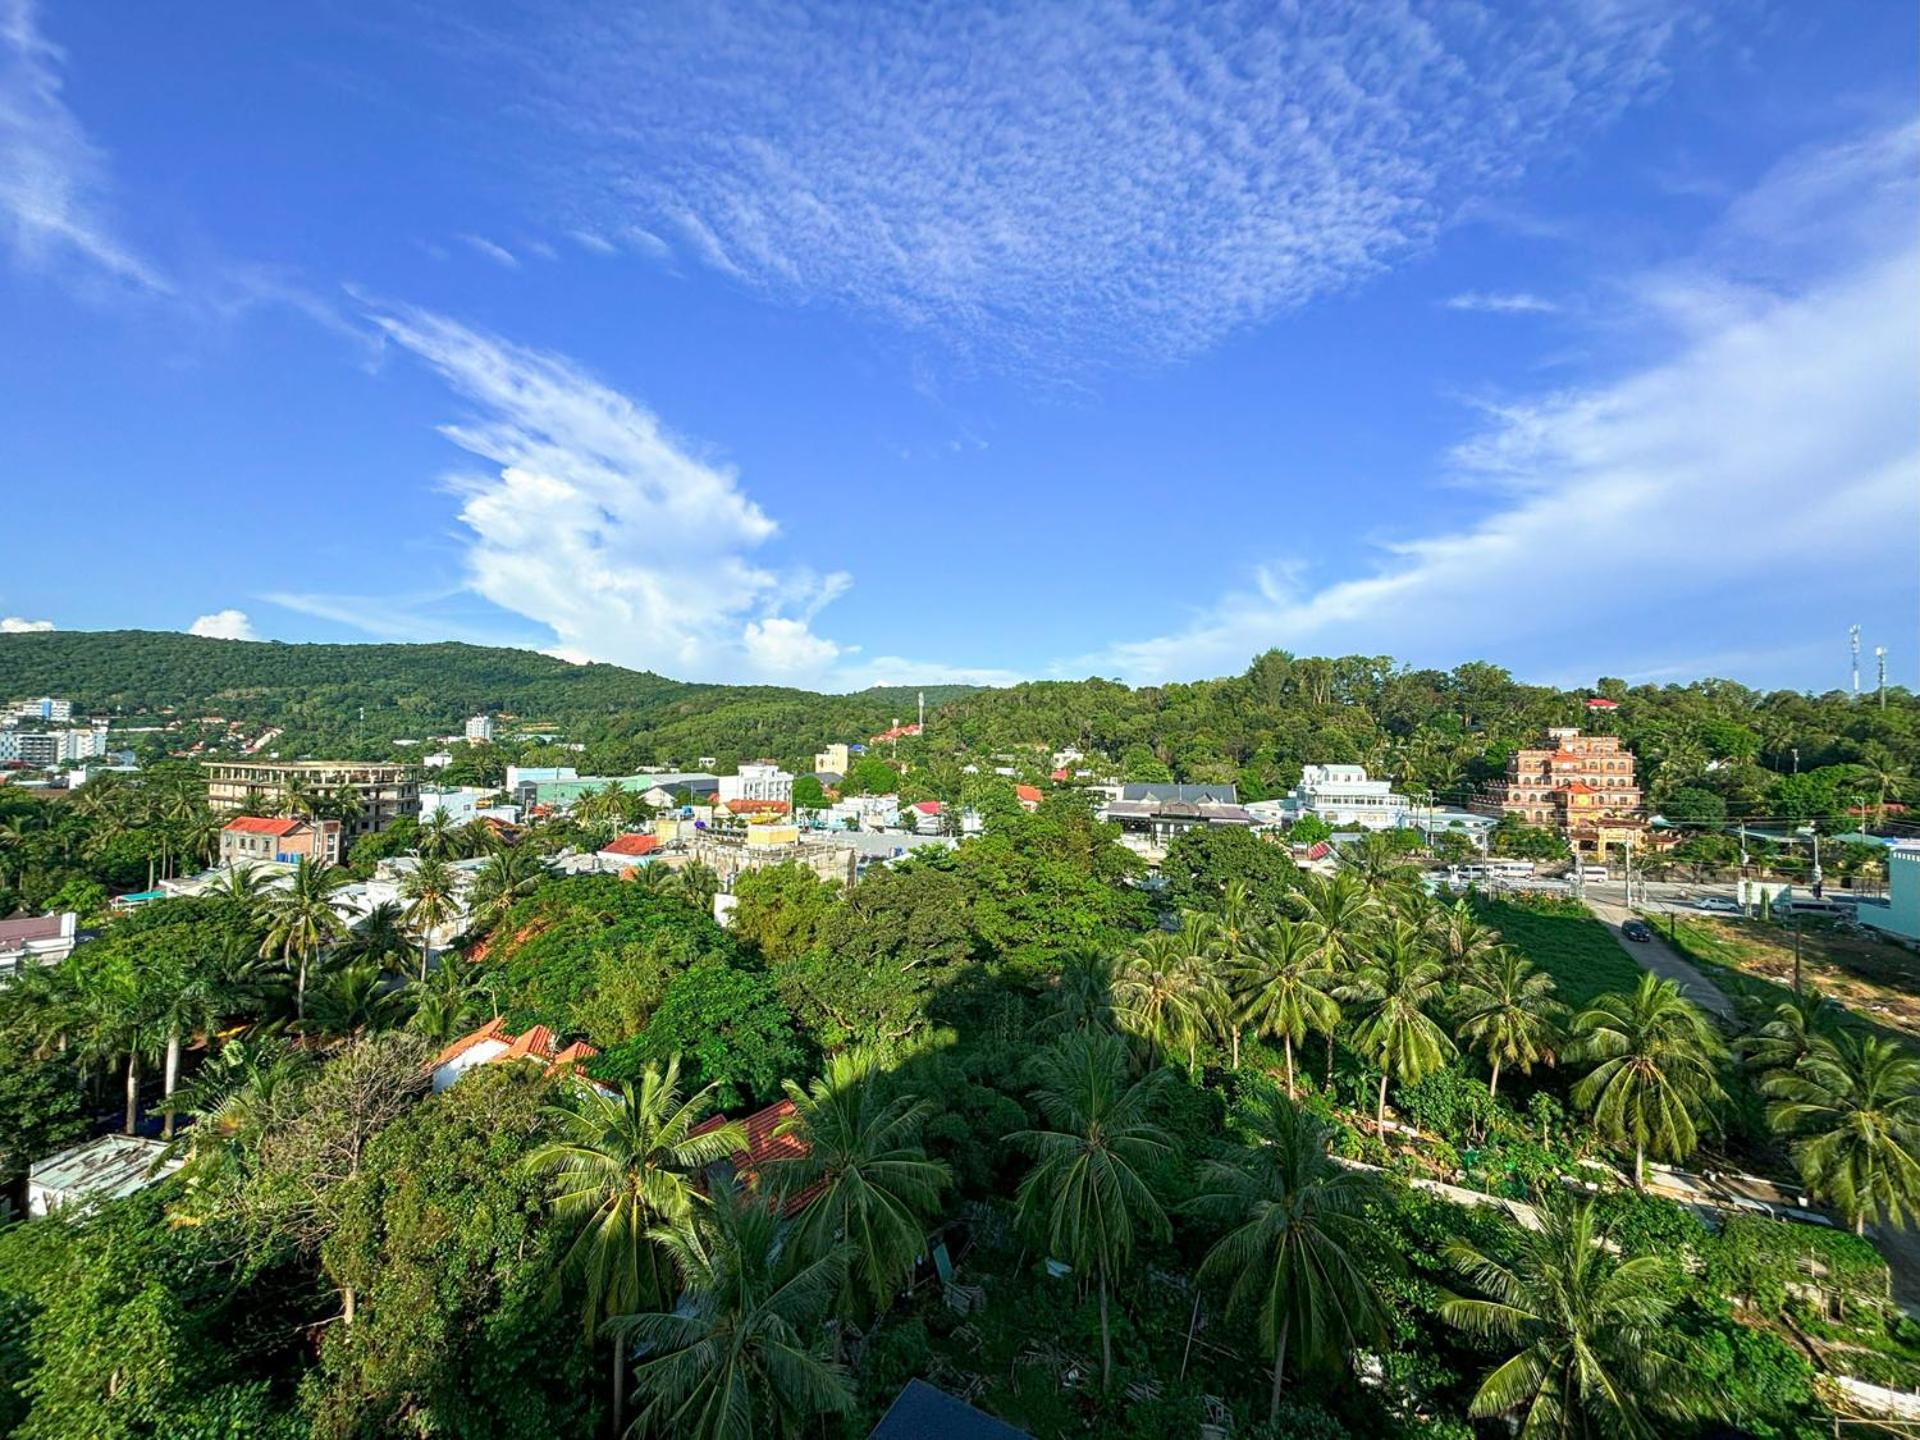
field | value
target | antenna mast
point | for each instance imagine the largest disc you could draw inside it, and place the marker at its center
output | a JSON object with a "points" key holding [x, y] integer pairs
{"points": [[1853, 640], [1880, 660]]}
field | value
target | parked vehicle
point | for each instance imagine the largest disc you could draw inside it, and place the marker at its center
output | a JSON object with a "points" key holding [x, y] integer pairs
{"points": [[1718, 905], [1636, 931]]}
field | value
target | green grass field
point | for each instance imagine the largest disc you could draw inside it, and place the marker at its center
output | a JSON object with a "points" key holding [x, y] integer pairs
{"points": [[1577, 950]]}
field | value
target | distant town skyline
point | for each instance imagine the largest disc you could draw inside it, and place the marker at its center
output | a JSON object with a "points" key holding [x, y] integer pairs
{"points": [[832, 346]]}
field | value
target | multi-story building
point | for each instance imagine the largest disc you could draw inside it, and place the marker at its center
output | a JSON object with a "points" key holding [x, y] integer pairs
{"points": [[764, 782], [1346, 799], [480, 730], [256, 787], [1579, 785], [46, 709], [44, 749], [833, 760], [254, 840]]}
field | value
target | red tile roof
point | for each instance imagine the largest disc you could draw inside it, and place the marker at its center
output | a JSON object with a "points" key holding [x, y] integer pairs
{"points": [[1027, 794], [489, 1031], [927, 807], [255, 825], [632, 845], [1060, 774], [765, 1143], [1578, 787], [537, 1044], [1600, 702]]}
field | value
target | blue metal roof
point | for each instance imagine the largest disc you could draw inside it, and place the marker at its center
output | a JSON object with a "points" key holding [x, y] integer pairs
{"points": [[921, 1412]]}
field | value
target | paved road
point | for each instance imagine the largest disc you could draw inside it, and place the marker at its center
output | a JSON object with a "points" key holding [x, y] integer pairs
{"points": [[1657, 956]]}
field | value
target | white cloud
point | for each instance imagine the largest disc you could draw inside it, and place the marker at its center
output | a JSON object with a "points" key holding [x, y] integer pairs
{"points": [[1032, 176], [1515, 303], [52, 177], [1774, 453], [498, 254], [15, 625], [589, 240], [224, 625], [601, 526]]}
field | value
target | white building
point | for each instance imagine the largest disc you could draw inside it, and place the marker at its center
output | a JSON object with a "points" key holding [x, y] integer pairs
{"points": [[1346, 799], [105, 1169], [36, 940], [759, 783], [833, 760], [439, 760], [46, 708], [45, 749], [480, 730], [464, 803]]}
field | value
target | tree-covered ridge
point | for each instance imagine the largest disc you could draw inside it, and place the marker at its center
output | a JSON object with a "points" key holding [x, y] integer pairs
{"points": [[317, 692]]}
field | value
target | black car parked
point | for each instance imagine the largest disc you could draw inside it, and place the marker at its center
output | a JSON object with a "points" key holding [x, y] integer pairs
{"points": [[1636, 930]]}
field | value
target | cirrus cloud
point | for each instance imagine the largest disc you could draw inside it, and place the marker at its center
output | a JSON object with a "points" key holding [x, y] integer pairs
{"points": [[1032, 177]]}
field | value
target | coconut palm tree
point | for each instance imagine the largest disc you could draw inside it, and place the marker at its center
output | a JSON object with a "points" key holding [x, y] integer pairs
{"points": [[1508, 1015], [1463, 940], [1297, 1218], [623, 1166], [301, 921], [1082, 996], [1595, 1356], [189, 993], [1855, 1104], [1090, 1191], [1795, 1031], [698, 884], [504, 881], [871, 1184], [437, 835], [428, 889], [1340, 913], [381, 936], [1159, 996], [739, 1356], [355, 999], [1381, 869], [444, 1005], [1393, 986], [1284, 986], [1654, 1077]]}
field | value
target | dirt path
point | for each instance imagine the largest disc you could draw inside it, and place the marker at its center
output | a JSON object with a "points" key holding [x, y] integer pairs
{"points": [[1657, 956]]}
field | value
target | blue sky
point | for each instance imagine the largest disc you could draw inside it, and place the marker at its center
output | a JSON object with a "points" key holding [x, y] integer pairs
{"points": [[843, 344]]}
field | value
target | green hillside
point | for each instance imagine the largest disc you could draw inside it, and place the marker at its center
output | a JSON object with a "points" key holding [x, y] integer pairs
{"points": [[319, 693]]}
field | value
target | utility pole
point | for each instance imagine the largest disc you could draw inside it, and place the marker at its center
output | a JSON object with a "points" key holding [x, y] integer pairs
{"points": [[1796, 759]]}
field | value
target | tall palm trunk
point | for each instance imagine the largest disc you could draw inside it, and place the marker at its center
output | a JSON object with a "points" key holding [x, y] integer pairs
{"points": [[1493, 1085], [1640, 1167], [1236, 1047], [619, 1388], [172, 1078], [133, 1090], [300, 990], [423, 959], [1279, 1372], [1380, 1110], [1286, 1041], [1106, 1339], [1329, 1060]]}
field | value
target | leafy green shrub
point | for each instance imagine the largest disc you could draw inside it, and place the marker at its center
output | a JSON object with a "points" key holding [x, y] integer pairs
{"points": [[1759, 1259], [1650, 1225], [1453, 1104]]}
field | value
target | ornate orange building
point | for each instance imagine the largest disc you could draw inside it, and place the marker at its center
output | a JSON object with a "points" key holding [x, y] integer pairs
{"points": [[1580, 785]]}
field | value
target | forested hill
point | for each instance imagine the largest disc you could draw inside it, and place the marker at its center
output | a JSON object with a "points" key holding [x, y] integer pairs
{"points": [[317, 692], [1739, 752]]}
